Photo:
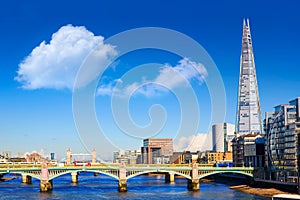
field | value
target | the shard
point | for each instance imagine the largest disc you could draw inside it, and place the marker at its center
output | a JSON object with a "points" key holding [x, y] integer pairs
{"points": [[248, 119]]}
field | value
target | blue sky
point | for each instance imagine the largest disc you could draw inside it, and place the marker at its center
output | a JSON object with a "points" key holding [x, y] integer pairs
{"points": [[40, 116]]}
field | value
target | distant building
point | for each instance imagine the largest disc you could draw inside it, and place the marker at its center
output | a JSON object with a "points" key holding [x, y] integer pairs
{"points": [[2, 159], [222, 134], [157, 150], [20, 155], [6, 154], [182, 157], [282, 136], [34, 157], [127, 156], [216, 157], [52, 156]]}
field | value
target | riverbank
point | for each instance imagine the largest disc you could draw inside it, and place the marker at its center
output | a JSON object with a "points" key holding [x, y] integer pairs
{"points": [[267, 192]]}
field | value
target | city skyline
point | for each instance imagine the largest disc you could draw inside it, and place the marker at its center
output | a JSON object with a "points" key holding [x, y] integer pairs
{"points": [[37, 110]]}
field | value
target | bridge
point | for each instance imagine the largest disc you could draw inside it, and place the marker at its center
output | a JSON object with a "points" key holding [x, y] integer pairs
{"points": [[192, 172]]}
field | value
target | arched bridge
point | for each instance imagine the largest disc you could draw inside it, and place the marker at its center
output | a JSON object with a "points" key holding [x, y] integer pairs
{"points": [[122, 173]]}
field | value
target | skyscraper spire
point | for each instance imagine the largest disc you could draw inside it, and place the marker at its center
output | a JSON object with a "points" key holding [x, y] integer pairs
{"points": [[248, 119]]}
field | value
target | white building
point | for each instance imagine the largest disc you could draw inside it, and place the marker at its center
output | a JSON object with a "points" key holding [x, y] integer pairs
{"points": [[222, 134]]}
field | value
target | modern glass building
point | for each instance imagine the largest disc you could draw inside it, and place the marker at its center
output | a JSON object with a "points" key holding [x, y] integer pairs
{"points": [[248, 119], [282, 141]]}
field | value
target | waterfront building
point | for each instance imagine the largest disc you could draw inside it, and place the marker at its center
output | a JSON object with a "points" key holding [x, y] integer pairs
{"points": [[254, 151], [282, 129], [248, 150], [238, 151], [222, 134], [248, 118], [157, 150]]}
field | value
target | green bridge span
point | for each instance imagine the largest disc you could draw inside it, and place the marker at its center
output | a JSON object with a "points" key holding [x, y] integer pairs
{"points": [[121, 172]]}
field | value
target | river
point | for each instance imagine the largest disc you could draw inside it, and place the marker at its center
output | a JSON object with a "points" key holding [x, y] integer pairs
{"points": [[104, 187]]}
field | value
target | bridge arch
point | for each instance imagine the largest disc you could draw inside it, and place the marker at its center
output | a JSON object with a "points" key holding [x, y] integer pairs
{"points": [[219, 172], [152, 171], [36, 176], [84, 170]]}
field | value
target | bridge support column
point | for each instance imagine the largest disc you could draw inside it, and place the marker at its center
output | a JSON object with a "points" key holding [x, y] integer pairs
{"points": [[122, 178], [45, 184], [74, 177], [194, 183], [26, 179], [169, 178], [122, 185]]}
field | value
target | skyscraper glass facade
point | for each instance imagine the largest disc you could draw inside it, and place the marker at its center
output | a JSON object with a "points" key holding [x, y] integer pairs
{"points": [[248, 118]]}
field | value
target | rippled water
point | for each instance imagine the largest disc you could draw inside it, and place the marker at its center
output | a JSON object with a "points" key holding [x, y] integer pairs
{"points": [[104, 187]]}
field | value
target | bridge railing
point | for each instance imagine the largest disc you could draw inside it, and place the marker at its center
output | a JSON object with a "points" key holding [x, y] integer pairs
{"points": [[20, 165], [116, 165]]}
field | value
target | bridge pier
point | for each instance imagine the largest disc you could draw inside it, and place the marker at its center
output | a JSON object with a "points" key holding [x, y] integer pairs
{"points": [[194, 183], [122, 185], [74, 177], [46, 186], [169, 178], [26, 179], [122, 178]]}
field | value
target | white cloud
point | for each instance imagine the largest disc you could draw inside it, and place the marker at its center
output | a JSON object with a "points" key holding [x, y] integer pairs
{"points": [[199, 142], [169, 77], [55, 65]]}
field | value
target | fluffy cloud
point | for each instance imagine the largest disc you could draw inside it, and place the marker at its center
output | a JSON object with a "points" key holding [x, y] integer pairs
{"points": [[56, 64], [168, 77], [201, 141]]}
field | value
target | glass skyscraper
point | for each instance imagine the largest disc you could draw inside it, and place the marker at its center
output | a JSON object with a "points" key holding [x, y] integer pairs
{"points": [[248, 119]]}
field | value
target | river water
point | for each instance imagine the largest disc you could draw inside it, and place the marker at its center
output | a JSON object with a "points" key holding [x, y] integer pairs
{"points": [[104, 187]]}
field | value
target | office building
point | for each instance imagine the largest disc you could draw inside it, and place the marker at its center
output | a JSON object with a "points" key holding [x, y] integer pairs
{"points": [[157, 150], [222, 134]]}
